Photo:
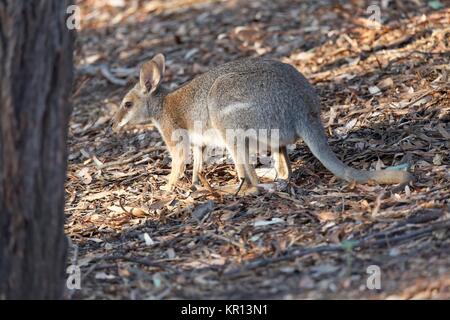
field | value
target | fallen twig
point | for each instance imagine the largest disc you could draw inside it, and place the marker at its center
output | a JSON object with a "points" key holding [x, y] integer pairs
{"points": [[132, 158], [208, 187]]}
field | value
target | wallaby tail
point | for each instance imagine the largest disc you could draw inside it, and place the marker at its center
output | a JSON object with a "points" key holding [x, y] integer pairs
{"points": [[314, 136]]}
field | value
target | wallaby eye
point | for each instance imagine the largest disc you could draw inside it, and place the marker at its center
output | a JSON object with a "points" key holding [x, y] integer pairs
{"points": [[128, 104]]}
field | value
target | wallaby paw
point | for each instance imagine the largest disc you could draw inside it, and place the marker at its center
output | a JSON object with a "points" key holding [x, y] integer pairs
{"points": [[167, 187], [229, 189], [244, 191], [250, 191]]}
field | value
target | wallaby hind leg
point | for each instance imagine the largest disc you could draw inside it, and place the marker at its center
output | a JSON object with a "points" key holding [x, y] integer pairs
{"points": [[282, 163], [197, 165], [250, 172], [244, 169]]}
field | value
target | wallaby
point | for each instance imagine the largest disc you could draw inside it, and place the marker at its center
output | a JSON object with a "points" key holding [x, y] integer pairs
{"points": [[252, 93]]}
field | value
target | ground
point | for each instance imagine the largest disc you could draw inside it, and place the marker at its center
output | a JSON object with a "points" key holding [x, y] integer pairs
{"points": [[384, 88]]}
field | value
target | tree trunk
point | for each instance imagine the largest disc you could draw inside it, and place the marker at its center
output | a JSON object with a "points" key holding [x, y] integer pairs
{"points": [[35, 84]]}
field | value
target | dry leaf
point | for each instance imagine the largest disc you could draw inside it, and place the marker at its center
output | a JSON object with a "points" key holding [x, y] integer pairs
{"points": [[385, 83], [137, 212], [374, 90], [104, 276], [84, 175], [443, 131], [171, 253], [326, 216]]}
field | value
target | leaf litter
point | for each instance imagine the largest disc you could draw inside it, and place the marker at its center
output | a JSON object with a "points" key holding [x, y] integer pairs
{"points": [[385, 102]]}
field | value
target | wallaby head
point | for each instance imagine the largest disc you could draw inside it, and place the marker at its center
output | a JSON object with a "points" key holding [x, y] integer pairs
{"points": [[143, 101]]}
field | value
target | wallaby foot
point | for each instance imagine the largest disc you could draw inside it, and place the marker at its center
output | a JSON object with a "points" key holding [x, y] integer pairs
{"points": [[250, 190], [282, 163], [245, 170], [243, 190], [167, 187], [197, 166]]}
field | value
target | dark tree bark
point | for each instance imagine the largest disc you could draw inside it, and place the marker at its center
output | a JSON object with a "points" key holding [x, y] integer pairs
{"points": [[35, 84]]}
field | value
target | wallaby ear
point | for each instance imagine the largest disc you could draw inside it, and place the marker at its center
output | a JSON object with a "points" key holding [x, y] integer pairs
{"points": [[160, 62], [152, 73]]}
